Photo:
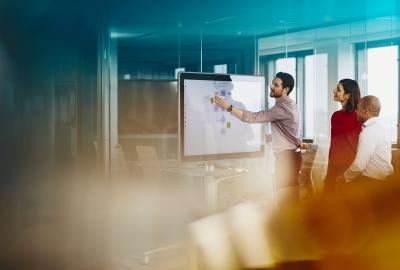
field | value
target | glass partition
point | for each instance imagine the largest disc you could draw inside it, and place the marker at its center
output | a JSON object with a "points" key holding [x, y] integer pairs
{"points": [[147, 70]]}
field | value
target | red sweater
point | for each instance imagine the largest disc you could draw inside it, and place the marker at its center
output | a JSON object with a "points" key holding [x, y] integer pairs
{"points": [[344, 139]]}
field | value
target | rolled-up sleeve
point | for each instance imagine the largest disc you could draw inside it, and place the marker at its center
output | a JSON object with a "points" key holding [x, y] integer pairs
{"points": [[274, 114]]}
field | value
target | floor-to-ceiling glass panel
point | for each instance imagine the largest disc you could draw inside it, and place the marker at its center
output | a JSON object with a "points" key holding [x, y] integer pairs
{"points": [[383, 82]]}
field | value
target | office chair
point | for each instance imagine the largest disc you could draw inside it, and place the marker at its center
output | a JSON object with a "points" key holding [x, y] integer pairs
{"points": [[306, 185], [122, 168], [150, 163]]}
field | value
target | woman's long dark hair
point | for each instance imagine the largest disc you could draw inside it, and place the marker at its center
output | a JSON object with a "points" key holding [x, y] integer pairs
{"points": [[351, 87]]}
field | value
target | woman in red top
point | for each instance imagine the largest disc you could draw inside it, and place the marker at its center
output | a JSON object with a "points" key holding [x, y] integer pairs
{"points": [[344, 132]]}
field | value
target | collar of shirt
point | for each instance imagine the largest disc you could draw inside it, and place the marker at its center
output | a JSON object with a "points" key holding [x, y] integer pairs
{"points": [[282, 99], [370, 121]]}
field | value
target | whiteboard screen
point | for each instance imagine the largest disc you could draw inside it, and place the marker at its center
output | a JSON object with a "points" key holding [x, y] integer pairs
{"points": [[207, 132]]}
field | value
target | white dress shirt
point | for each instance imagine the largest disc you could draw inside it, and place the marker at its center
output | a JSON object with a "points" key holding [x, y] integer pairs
{"points": [[374, 152]]}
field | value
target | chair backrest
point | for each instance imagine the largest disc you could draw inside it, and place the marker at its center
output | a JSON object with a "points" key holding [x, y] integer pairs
{"points": [[95, 146], [306, 184], [396, 160], [121, 168], [150, 164], [309, 158]]}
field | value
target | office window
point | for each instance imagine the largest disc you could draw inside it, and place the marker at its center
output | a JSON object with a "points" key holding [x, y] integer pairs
{"points": [[378, 73]]}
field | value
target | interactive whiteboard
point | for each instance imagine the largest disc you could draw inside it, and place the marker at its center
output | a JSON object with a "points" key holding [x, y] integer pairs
{"points": [[207, 132]]}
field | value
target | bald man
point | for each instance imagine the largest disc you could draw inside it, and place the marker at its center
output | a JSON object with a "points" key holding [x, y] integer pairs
{"points": [[372, 164]]}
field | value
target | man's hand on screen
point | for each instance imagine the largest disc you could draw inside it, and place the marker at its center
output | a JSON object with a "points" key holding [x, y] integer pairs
{"points": [[221, 102]]}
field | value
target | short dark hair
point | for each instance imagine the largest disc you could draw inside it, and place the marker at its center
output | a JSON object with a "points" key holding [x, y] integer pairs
{"points": [[287, 80], [351, 87]]}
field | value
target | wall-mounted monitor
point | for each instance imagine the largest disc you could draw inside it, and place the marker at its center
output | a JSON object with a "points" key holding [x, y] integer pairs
{"points": [[207, 132]]}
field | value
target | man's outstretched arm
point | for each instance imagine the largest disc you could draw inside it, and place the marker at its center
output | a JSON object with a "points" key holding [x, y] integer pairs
{"points": [[273, 114]]}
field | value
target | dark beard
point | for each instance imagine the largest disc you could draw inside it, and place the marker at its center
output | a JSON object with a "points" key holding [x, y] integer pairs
{"points": [[274, 96]]}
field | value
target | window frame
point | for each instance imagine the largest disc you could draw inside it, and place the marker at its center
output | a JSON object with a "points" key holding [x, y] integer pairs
{"points": [[360, 46], [267, 64]]}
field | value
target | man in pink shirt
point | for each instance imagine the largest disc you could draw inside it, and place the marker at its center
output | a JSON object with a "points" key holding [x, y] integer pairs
{"points": [[286, 141]]}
